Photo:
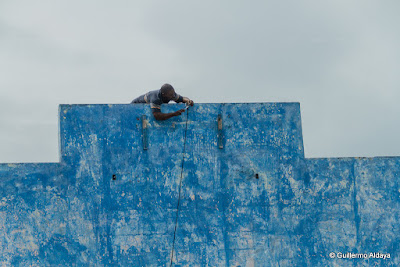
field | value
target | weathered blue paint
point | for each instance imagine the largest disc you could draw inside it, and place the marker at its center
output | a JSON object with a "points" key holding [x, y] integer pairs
{"points": [[295, 213]]}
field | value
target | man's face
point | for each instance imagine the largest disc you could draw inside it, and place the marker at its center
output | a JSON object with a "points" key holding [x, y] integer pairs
{"points": [[168, 96]]}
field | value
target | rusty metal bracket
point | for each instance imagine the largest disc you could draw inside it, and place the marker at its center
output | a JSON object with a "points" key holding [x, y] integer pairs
{"points": [[220, 143], [144, 132]]}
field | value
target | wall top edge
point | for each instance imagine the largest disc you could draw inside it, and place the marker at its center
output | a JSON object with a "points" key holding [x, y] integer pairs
{"points": [[233, 103]]}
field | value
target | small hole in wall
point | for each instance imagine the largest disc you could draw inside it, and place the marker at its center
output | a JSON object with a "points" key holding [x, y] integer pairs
{"points": [[256, 175], [114, 177]]}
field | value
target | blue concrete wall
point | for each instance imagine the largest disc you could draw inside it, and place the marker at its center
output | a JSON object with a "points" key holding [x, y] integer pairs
{"points": [[109, 202]]}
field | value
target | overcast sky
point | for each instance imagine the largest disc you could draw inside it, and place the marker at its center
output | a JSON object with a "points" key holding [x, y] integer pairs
{"points": [[340, 59]]}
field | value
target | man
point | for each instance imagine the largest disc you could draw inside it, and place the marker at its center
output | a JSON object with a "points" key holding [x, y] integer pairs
{"points": [[158, 97]]}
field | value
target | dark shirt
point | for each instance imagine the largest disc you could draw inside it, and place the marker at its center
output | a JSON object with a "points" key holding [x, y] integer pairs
{"points": [[155, 99]]}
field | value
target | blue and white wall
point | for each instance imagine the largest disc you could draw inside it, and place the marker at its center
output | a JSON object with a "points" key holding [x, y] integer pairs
{"points": [[254, 202]]}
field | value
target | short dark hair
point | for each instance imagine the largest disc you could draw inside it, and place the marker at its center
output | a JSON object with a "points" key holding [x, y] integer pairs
{"points": [[167, 88]]}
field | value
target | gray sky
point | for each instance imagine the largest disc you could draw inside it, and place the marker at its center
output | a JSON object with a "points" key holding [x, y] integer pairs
{"points": [[340, 59]]}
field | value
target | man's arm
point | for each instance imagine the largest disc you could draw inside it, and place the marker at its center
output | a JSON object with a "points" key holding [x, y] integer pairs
{"points": [[164, 116], [183, 99], [187, 101]]}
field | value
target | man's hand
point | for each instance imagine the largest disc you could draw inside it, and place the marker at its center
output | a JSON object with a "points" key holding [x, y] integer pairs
{"points": [[179, 112], [188, 101], [165, 116]]}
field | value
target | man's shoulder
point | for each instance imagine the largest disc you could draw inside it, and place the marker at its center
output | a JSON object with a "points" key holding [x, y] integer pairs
{"points": [[153, 92], [154, 96]]}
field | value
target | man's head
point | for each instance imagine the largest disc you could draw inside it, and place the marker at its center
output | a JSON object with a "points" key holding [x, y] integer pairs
{"points": [[167, 92]]}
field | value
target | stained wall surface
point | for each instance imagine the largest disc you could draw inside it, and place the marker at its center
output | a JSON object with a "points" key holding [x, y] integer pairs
{"points": [[247, 195]]}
